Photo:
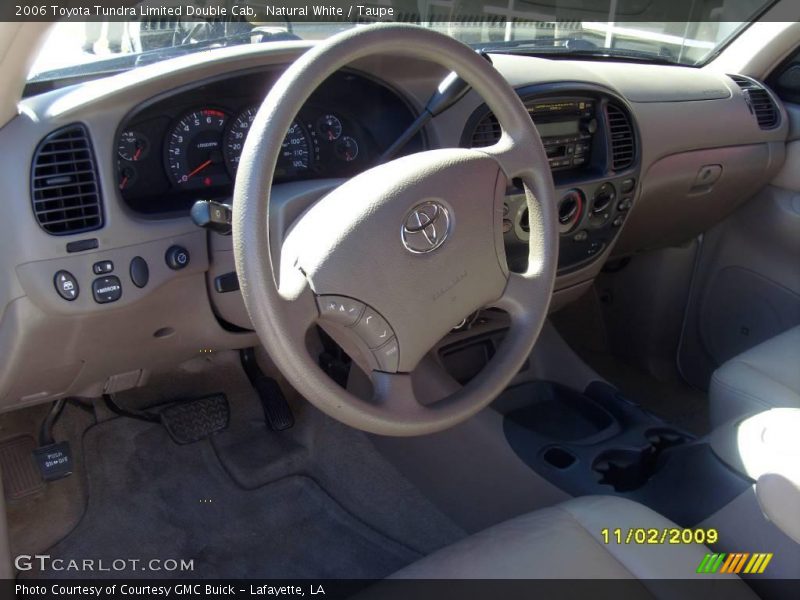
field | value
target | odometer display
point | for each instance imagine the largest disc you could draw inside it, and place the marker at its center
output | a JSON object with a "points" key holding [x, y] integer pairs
{"points": [[296, 149], [194, 150]]}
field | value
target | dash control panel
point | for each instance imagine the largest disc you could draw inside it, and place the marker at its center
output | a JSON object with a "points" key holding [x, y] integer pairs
{"points": [[367, 324], [590, 216], [104, 281]]}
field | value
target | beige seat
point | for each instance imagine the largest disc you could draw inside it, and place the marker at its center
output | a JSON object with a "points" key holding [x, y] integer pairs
{"points": [[565, 542], [766, 376]]}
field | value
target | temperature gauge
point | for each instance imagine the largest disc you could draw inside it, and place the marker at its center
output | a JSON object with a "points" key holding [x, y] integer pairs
{"points": [[132, 146], [347, 149], [329, 127], [127, 176]]}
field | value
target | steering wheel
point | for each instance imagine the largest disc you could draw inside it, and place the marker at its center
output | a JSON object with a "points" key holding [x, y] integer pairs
{"points": [[395, 257]]}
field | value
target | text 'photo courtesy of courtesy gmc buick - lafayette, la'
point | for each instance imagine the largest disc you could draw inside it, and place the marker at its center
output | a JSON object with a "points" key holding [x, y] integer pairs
{"points": [[401, 299]]}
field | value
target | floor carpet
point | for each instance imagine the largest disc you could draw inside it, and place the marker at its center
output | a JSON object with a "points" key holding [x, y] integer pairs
{"points": [[150, 498]]}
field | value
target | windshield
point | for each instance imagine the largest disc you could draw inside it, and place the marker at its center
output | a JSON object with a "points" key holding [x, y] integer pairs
{"points": [[78, 48]]}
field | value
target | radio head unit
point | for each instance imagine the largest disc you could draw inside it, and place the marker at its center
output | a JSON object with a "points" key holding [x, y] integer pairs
{"points": [[567, 128]]}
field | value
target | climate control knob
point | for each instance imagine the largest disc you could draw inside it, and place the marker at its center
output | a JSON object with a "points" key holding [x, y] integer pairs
{"points": [[603, 198], [570, 210]]}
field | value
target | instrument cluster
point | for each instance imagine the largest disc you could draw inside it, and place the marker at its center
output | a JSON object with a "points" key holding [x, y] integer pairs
{"points": [[173, 153]]}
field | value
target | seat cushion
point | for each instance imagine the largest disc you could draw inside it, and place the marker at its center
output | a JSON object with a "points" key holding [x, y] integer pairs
{"points": [[766, 376], [565, 542]]}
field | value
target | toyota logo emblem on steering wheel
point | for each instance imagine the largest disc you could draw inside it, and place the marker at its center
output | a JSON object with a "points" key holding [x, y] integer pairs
{"points": [[426, 227]]}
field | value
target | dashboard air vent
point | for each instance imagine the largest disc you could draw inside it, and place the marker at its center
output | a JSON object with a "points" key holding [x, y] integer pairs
{"points": [[620, 133], [486, 133], [64, 187], [759, 101]]}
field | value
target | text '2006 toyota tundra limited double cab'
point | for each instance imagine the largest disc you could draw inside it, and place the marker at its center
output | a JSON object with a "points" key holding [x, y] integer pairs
{"points": [[481, 299]]}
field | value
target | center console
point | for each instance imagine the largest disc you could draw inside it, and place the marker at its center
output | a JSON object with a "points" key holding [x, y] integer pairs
{"points": [[599, 442], [591, 143]]}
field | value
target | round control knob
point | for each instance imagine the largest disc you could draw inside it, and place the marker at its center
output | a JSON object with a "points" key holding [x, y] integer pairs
{"points": [[603, 198], [177, 258], [589, 126], [570, 210]]}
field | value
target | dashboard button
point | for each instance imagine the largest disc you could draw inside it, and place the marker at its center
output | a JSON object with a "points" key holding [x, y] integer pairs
{"points": [[140, 272], [618, 221], [177, 257], [106, 289], [340, 309], [624, 204], [102, 267], [581, 236], [388, 356], [66, 285], [627, 185], [373, 328]]}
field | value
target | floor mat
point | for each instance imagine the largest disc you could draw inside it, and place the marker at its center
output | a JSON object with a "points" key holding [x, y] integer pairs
{"points": [[152, 499]]}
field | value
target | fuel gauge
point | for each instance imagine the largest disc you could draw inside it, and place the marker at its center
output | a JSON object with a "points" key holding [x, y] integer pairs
{"points": [[132, 146], [347, 149]]}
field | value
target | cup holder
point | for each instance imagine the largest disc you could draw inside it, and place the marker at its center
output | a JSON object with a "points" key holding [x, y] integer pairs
{"points": [[627, 469], [558, 457]]}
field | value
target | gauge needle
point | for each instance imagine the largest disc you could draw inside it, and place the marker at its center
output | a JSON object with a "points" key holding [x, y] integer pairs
{"points": [[123, 183], [138, 154], [198, 169]]}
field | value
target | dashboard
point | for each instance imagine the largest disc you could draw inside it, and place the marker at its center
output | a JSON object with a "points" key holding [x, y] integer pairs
{"points": [[105, 258], [186, 145]]}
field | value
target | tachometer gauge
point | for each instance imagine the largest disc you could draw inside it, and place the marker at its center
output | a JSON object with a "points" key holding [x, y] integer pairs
{"points": [[194, 150], [347, 149], [296, 150], [132, 146], [329, 127]]}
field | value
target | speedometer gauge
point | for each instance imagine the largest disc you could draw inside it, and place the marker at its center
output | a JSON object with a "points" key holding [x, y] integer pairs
{"points": [[194, 150], [296, 151]]}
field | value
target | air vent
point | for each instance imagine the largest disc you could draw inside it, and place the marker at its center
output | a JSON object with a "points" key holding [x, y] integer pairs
{"points": [[759, 101], [64, 187], [620, 133], [486, 133]]}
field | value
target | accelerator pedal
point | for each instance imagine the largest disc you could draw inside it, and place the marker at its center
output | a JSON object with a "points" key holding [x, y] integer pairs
{"points": [[277, 412], [191, 421]]}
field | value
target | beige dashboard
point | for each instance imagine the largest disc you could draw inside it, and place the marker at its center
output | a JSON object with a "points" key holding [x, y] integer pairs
{"points": [[688, 120]]}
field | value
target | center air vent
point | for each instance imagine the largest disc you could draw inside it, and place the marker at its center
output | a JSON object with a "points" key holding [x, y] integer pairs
{"points": [[620, 133], [759, 101], [487, 132], [64, 187]]}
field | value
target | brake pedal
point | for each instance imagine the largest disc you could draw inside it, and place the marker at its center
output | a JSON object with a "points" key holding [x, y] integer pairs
{"points": [[277, 411], [18, 467], [194, 420]]}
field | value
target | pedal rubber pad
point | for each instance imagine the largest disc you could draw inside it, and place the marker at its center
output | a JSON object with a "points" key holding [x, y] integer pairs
{"points": [[20, 475], [194, 420], [54, 460], [276, 410]]}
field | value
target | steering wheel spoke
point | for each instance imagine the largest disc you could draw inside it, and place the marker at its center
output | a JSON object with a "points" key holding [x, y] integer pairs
{"points": [[299, 303], [395, 392]]}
